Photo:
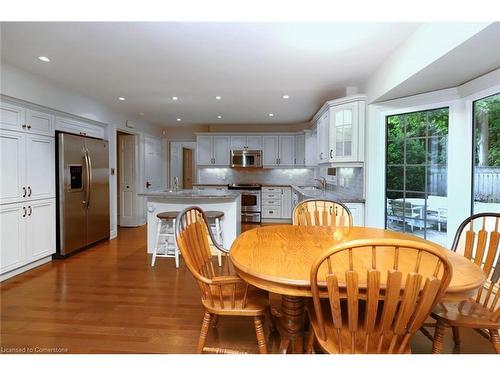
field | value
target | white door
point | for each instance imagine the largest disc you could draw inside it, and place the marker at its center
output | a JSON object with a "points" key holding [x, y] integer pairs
{"points": [[270, 150], [12, 164], [39, 122], [204, 150], [238, 142], [153, 164], [300, 149], [254, 142], [127, 175], [40, 229], [221, 150], [286, 150], [40, 165], [12, 235], [11, 117]]}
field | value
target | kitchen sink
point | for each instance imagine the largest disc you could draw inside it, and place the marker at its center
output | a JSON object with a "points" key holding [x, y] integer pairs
{"points": [[312, 188]]}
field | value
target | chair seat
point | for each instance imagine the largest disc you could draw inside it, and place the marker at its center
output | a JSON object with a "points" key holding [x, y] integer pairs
{"points": [[331, 343], [167, 215], [212, 215], [257, 301], [466, 313]]}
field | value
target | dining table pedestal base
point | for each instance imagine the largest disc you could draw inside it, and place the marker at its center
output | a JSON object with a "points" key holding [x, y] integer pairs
{"points": [[291, 326]]}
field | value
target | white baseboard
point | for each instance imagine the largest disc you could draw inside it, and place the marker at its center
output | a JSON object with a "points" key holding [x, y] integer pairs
{"points": [[113, 234], [27, 267]]}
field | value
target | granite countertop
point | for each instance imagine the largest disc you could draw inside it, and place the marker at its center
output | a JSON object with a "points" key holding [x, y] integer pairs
{"points": [[209, 184], [191, 194], [328, 194]]}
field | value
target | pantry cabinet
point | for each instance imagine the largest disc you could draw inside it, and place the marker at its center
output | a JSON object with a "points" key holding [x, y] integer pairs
{"points": [[28, 167]]}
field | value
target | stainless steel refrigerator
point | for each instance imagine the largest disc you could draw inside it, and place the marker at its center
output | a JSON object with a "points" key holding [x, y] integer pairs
{"points": [[83, 192]]}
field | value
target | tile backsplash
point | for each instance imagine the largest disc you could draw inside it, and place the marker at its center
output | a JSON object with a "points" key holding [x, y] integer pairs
{"points": [[278, 176], [348, 181]]}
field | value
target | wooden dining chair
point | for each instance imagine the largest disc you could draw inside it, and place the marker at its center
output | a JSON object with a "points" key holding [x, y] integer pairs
{"points": [[220, 295], [326, 213], [377, 307], [477, 238]]}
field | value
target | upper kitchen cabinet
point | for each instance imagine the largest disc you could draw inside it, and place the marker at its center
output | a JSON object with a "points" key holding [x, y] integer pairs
{"points": [[23, 119], [246, 142], [213, 150], [340, 131], [278, 150], [300, 149]]}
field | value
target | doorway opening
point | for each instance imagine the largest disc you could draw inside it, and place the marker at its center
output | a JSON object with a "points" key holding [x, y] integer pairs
{"points": [[187, 168], [126, 173]]}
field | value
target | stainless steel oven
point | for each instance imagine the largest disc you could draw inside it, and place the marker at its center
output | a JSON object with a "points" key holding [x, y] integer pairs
{"points": [[250, 201], [246, 158]]}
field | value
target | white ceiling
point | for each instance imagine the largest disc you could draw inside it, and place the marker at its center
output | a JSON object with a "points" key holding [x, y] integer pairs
{"points": [[473, 58], [250, 65]]}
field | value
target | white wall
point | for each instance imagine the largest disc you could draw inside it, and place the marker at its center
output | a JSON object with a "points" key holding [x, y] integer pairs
{"points": [[26, 86], [459, 146]]}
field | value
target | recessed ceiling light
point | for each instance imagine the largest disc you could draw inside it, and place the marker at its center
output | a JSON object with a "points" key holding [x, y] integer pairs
{"points": [[286, 96], [271, 114], [174, 98], [179, 119], [219, 116], [218, 97], [43, 58], [121, 98]]}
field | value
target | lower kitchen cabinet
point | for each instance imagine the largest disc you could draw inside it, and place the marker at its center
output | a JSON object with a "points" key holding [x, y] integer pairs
{"points": [[27, 233], [358, 213], [276, 203]]}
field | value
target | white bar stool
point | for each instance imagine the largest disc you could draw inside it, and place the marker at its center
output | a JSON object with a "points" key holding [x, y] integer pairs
{"points": [[214, 220], [166, 245]]}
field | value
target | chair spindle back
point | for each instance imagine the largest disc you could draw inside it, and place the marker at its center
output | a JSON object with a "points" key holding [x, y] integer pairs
{"points": [[324, 213]]}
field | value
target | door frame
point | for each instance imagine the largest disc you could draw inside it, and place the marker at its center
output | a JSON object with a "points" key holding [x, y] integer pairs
{"points": [[138, 215]]}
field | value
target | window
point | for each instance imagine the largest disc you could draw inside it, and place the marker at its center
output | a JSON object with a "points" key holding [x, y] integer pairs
{"points": [[486, 146], [416, 173]]}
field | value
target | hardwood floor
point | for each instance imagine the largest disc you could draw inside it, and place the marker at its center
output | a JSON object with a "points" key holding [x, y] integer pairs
{"points": [[108, 299]]}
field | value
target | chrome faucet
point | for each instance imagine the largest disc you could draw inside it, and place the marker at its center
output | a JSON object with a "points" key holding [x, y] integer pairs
{"points": [[176, 183], [322, 181]]}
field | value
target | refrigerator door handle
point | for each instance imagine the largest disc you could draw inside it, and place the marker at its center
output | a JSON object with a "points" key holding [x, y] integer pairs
{"points": [[87, 182], [90, 178]]}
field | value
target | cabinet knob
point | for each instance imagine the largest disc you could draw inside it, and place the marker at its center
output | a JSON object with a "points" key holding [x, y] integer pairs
{"points": [[29, 126], [331, 154], [24, 209], [24, 190], [30, 210], [24, 126], [29, 191]]}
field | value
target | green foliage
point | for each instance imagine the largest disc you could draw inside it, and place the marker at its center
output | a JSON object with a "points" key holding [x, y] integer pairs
{"points": [[490, 106], [416, 140]]}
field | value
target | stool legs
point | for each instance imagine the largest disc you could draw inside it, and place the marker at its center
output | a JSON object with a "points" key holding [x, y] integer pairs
{"points": [[165, 236], [157, 242]]}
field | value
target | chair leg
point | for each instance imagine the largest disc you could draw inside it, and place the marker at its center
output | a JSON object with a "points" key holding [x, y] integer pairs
{"points": [[438, 343], [310, 343], [204, 331], [495, 339], [259, 331], [456, 335], [157, 242], [215, 320]]}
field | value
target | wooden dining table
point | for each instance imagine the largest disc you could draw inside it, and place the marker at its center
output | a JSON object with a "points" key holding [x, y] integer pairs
{"points": [[278, 259]]}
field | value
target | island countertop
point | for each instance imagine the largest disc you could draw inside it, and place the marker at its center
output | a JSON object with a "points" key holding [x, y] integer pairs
{"points": [[194, 194]]}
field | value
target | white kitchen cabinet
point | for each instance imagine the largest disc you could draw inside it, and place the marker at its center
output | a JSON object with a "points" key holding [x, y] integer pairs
{"points": [[278, 150], [300, 150], [212, 150], [27, 233], [40, 122], [12, 116], [28, 167], [12, 236], [40, 229], [286, 151], [40, 162], [12, 163], [358, 213], [71, 125], [221, 150], [248, 142], [17, 118], [204, 150], [270, 150], [286, 203], [254, 142], [311, 145], [340, 131]]}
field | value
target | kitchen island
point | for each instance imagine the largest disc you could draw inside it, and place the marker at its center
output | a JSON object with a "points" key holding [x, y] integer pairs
{"points": [[226, 201]]}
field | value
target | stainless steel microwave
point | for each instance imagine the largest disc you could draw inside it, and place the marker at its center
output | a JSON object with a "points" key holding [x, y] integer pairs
{"points": [[246, 158]]}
